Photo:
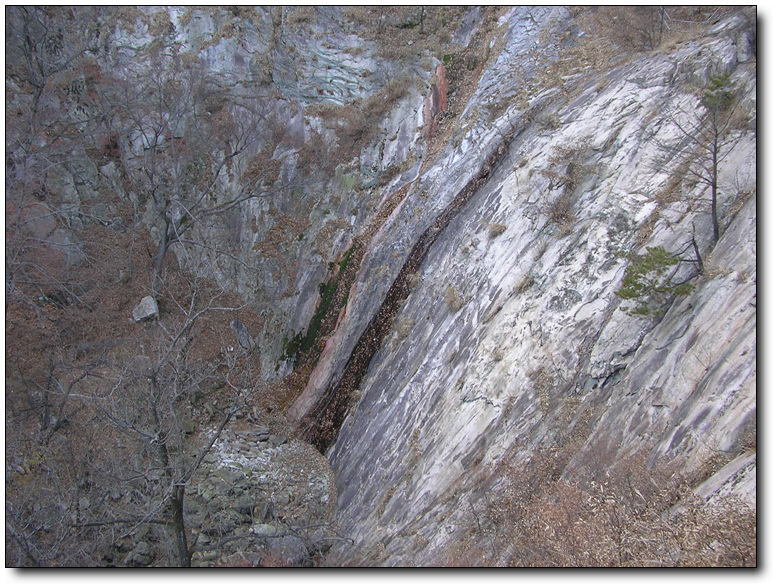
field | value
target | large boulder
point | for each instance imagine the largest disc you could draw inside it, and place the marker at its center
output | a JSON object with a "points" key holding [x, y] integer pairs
{"points": [[289, 549]]}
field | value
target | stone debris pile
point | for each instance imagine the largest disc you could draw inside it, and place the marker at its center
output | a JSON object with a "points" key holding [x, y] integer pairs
{"points": [[260, 499]]}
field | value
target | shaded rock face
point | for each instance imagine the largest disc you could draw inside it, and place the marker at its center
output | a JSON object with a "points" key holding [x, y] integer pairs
{"points": [[312, 73], [242, 334]]}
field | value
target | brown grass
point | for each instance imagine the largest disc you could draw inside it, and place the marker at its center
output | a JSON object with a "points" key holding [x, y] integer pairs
{"points": [[637, 29], [453, 300], [635, 516], [496, 229]]}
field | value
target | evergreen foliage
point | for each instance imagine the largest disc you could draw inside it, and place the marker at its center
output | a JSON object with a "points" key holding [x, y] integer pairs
{"points": [[647, 281], [719, 94]]}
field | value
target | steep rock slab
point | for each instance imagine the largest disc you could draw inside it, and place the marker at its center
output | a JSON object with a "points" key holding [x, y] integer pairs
{"points": [[691, 385], [507, 346], [430, 197]]}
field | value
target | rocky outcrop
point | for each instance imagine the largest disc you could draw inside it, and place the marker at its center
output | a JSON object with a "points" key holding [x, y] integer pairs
{"points": [[242, 335], [437, 101], [314, 75], [439, 269], [260, 499], [532, 350]]}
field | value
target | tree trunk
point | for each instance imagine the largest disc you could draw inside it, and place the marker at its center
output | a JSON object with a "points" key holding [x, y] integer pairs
{"points": [[178, 525], [158, 263], [714, 171], [714, 218], [176, 502]]}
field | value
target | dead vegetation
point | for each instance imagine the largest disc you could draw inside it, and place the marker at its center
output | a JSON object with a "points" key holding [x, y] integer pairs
{"points": [[646, 28], [404, 32], [75, 397], [496, 229], [70, 341], [357, 123], [567, 168], [453, 300], [636, 515]]}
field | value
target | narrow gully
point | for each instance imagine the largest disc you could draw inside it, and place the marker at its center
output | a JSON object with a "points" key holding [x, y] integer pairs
{"points": [[321, 425]]}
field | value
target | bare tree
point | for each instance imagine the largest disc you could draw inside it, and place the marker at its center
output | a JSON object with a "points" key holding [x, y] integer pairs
{"points": [[632, 28], [150, 406], [47, 119], [115, 445], [644, 28], [708, 134], [45, 43], [101, 448], [192, 149]]}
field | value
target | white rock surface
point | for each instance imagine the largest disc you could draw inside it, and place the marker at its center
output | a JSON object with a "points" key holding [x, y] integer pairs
{"points": [[540, 338]]}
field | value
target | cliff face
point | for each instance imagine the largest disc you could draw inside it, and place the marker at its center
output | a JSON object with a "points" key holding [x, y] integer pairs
{"points": [[493, 210], [344, 119], [457, 202], [512, 340]]}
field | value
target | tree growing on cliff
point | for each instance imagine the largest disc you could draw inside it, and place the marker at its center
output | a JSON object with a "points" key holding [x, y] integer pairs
{"points": [[708, 133], [645, 28], [649, 281], [632, 28]]}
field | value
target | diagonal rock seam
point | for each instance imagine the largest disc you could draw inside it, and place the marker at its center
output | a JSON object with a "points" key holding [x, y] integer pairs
{"points": [[321, 425], [343, 278]]}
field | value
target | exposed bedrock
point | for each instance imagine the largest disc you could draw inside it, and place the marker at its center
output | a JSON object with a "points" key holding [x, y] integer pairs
{"points": [[437, 259], [510, 340]]}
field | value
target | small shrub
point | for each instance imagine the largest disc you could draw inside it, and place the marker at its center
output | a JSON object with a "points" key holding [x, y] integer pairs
{"points": [[356, 123], [325, 111], [560, 211], [647, 281], [403, 328], [570, 155], [377, 106], [672, 191], [524, 284], [548, 121], [453, 300], [413, 279], [496, 229], [601, 84], [543, 385], [301, 15]]}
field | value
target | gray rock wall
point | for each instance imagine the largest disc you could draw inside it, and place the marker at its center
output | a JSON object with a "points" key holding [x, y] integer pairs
{"points": [[532, 340], [512, 339], [275, 251]]}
